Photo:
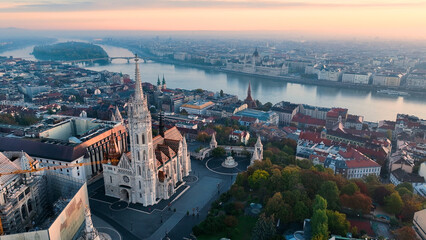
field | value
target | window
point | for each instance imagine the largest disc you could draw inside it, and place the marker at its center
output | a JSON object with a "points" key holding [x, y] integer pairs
{"points": [[140, 185], [144, 155], [143, 138], [139, 156], [139, 170], [110, 179], [137, 139]]}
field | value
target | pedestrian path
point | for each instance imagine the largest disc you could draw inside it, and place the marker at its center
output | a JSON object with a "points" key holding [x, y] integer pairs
{"points": [[197, 196]]}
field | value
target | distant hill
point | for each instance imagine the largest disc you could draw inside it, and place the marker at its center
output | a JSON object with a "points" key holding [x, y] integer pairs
{"points": [[69, 51]]}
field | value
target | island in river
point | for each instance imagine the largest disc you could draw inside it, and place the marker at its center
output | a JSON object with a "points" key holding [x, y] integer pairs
{"points": [[71, 51]]}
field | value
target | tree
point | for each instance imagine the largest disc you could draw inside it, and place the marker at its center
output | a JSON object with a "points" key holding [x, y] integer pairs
{"points": [[330, 193], [203, 137], [357, 202], [319, 224], [406, 185], [380, 193], [393, 203], [411, 205], [219, 152], [350, 189], [301, 211], [264, 228], [230, 221], [257, 178], [405, 233], [337, 223], [319, 203]]}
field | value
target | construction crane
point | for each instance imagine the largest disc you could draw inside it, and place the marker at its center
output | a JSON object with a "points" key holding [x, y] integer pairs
{"points": [[72, 165]]}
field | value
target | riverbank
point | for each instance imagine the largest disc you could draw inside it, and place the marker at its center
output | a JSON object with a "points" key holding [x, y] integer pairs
{"points": [[290, 79]]}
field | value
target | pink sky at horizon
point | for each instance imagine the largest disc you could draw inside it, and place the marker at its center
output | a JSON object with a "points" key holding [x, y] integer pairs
{"points": [[397, 20]]}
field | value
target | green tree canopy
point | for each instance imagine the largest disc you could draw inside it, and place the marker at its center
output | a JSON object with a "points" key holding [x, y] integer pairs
{"points": [[337, 223], [393, 203], [319, 203], [350, 189], [257, 178], [330, 193], [319, 224], [264, 228]]}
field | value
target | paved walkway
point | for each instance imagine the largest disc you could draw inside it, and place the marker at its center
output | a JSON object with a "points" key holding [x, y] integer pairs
{"points": [[104, 227], [196, 196]]}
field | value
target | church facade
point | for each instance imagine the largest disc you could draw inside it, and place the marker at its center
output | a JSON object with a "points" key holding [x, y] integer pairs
{"points": [[153, 168]]}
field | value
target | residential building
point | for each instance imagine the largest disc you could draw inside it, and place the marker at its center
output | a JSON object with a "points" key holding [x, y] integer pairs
{"points": [[356, 78], [419, 223], [399, 176], [197, 107], [63, 140], [285, 111], [23, 197]]}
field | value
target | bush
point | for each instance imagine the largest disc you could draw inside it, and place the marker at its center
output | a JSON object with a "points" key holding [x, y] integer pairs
{"points": [[231, 221]]}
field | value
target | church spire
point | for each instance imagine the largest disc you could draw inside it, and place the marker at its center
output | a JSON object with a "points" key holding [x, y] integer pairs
{"points": [[138, 84], [249, 91]]}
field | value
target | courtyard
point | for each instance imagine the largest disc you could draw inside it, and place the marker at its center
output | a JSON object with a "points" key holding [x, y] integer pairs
{"points": [[174, 217]]}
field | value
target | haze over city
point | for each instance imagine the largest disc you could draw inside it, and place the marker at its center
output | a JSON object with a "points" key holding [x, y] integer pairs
{"points": [[360, 19], [213, 119]]}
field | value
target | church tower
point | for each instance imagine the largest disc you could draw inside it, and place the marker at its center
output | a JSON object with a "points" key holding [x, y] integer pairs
{"points": [[164, 86], [249, 100], [141, 147]]}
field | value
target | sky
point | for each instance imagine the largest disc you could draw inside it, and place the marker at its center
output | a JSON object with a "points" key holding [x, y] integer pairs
{"points": [[394, 19]]}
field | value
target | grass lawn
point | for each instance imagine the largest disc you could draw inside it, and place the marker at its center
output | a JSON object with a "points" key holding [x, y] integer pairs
{"points": [[241, 232]]}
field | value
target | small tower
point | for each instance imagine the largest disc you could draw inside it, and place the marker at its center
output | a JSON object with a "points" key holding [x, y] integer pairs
{"points": [[254, 157], [258, 148], [164, 86], [117, 115], [213, 143]]}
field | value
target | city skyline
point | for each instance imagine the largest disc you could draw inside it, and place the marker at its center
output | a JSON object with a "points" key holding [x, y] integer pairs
{"points": [[330, 19]]}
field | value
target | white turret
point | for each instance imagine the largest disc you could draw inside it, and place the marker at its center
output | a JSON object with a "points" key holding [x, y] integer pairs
{"points": [[117, 115], [259, 148], [213, 143]]}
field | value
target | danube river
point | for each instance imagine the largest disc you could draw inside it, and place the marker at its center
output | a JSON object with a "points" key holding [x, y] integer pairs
{"points": [[362, 102]]}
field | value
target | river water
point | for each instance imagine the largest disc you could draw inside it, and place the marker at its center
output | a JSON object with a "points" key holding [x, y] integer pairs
{"points": [[372, 106]]}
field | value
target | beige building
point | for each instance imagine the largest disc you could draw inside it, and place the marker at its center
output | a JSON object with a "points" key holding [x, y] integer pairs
{"points": [[419, 222]]}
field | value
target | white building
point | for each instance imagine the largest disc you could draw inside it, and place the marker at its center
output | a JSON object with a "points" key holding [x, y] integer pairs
{"points": [[356, 78], [152, 169], [197, 107]]}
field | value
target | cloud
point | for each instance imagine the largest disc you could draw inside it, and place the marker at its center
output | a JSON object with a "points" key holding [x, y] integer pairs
{"points": [[91, 5]]}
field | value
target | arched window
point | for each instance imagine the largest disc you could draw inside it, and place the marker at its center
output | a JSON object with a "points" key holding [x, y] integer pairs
{"points": [[144, 155], [110, 179], [139, 170], [140, 185], [139, 156], [137, 139], [143, 138]]}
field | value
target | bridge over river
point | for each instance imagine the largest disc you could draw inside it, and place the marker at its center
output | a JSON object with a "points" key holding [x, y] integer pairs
{"points": [[109, 59]]}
